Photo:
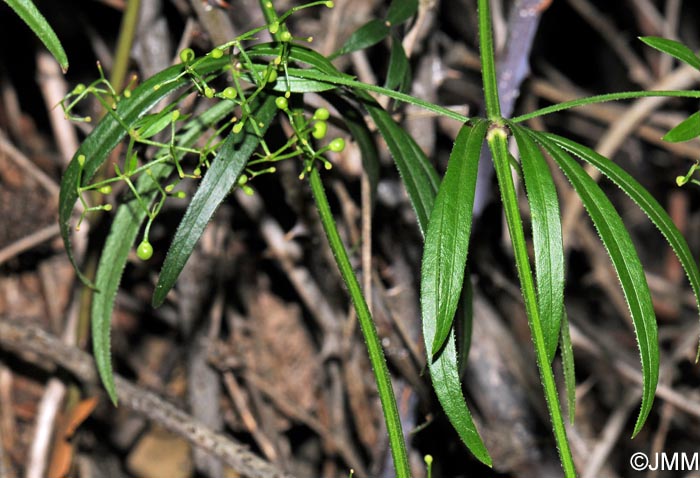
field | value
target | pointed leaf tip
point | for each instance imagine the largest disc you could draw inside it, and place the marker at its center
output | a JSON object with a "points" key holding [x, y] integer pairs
{"points": [[447, 237]]}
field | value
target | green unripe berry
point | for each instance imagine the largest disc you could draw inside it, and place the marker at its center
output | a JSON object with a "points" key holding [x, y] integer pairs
{"points": [[330, 4], [321, 114], [127, 94], [230, 93], [242, 179], [107, 207], [272, 76], [181, 194], [105, 189], [281, 102], [217, 53], [337, 145], [247, 190], [274, 27], [187, 55], [169, 188], [428, 459], [144, 251], [197, 172], [175, 115], [81, 159], [208, 92], [285, 36], [237, 128], [79, 88], [320, 128]]}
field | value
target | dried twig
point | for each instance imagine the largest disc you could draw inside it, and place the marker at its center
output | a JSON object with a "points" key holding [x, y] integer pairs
{"points": [[38, 347], [612, 35], [28, 165], [28, 242], [611, 433]]}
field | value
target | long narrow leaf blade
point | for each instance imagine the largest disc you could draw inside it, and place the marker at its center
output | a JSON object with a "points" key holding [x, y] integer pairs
{"points": [[398, 77], [444, 368], [676, 49], [629, 270], [400, 11], [646, 203], [418, 175], [216, 185], [448, 388], [30, 15], [366, 36], [686, 130], [567, 362], [110, 131], [546, 237], [125, 227], [449, 230], [362, 136]]}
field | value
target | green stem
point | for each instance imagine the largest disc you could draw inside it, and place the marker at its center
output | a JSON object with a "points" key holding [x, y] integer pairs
{"points": [[271, 17], [488, 62], [127, 32], [374, 348], [498, 143], [624, 95]]}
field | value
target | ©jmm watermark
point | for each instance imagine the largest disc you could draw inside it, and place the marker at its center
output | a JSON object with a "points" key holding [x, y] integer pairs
{"points": [[678, 461]]}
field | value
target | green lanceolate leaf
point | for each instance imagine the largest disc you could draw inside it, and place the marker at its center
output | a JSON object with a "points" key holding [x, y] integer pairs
{"points": [[298, 54], [374, 347], [567, 361], [400, 11], [216, 185], [124, 230], [646, 203], [377, 30], [498, 143], [629, 270], [110, 131], [29, 14], [546, 237], [676, 49], [447, 384], [418, 175], [686, 130], [447, 237], [399, 75], [444, 367], [464, 323], [362, 136], [366, 36], [152, 124]]}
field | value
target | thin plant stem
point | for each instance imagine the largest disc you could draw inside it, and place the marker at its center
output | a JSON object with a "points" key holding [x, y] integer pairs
{"points": [[488, 62], [374, 347], [498, 143], [126, 40]]}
